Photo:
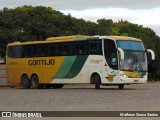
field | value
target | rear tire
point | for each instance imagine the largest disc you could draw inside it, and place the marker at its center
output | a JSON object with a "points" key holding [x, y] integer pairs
{"points": [[97, 81], [26, 84], [35, 82]]}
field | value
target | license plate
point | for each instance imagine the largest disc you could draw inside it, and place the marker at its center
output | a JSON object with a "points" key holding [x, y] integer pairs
{"points": [[136, 81]]}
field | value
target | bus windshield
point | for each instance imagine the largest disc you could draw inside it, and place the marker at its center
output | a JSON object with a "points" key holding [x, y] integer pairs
{"points": [[134, 56], [130, 45]]}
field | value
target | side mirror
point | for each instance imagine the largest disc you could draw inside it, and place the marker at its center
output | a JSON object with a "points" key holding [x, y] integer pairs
{"points": [[152, 53], [121, 53]]}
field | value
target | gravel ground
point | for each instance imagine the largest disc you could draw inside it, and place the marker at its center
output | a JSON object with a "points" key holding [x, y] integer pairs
{"points": [[143, 97]]}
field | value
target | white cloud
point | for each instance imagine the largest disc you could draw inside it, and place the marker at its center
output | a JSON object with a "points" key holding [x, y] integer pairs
{"points": [[142, 12], [146, 17], [83, 4], [150, 16], [156, 28]]}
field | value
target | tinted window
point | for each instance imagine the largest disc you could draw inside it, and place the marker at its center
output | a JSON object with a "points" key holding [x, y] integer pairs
{"points": [[67, 49], [29, 51], [130, 45], [80, 48], [111, 53], [95, 47], [54, 50], [39, 50], [15, 51]]}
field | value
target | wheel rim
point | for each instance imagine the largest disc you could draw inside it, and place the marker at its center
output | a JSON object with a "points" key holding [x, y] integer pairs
{"points": [[25, 82], [35, 82]]}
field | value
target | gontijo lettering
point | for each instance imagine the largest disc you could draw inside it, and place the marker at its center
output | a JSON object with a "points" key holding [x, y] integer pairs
{"points": [[41, 62]]}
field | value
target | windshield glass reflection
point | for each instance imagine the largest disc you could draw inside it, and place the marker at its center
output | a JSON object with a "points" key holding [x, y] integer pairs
{"points": [[134, 61]]}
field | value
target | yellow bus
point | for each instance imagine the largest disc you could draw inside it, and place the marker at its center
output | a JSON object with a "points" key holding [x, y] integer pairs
{"points": [[99, 60]]}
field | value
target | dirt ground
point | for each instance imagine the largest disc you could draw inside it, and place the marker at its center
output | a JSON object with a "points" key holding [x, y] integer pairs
{"points": [[141, 97]]}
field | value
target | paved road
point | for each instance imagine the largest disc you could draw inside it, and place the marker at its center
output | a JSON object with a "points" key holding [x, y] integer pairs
{"points": [[82, 98]]}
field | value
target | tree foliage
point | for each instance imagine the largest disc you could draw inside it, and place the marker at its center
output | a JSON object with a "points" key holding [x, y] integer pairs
{"points": [[28, 23]]}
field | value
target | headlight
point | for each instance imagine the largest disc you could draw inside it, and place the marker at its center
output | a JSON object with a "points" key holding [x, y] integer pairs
{"points": [[145, 76], [123, 75]]}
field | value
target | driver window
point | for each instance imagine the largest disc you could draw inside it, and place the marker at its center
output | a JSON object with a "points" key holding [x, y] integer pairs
{"points": [[111, 53]]}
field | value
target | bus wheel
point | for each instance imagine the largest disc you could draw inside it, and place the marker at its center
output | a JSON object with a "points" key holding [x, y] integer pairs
{"points": [[97, 81], [57, 86], [121, 86], [156, 77], [26, 84], [35, 82]]}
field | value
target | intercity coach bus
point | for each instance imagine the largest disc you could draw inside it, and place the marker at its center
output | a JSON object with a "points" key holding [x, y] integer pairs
{"points": [[99, 60]]}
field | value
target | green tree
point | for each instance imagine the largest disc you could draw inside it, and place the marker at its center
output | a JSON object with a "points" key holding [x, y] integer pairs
{"points": [[104, 26], [28, 23]]}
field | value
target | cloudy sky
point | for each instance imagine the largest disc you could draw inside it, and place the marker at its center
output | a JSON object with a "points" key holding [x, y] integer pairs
{"points": [[142, 12]]}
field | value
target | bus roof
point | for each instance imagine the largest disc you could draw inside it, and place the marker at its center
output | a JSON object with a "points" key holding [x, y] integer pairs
{"points": [[75, 38], [66, 38], [119, 38], [54, 39]]}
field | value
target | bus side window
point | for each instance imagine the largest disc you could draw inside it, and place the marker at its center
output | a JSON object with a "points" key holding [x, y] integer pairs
{"points": [[53, 50], [15, 51], [39, 50], [10, 51], [80, 48], [29, 51], [24, 52], [36, 52], [67, 48], [95, 47], [43, 51], [76, 48]]}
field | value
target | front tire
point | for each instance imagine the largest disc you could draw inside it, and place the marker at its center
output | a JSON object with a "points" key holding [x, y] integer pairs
{"points": [[97, 81], [35, 82], [121, 86], [26, 84]]}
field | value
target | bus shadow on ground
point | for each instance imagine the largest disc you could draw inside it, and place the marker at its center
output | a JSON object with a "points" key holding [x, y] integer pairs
{"points": [[102, 89], [76, 87]]}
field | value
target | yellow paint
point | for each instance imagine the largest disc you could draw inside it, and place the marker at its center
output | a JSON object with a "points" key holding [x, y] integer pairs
{"points": [[52, 40], [131, 74], [66, 38], [110, 78], [16, 67], [123, 38]]}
